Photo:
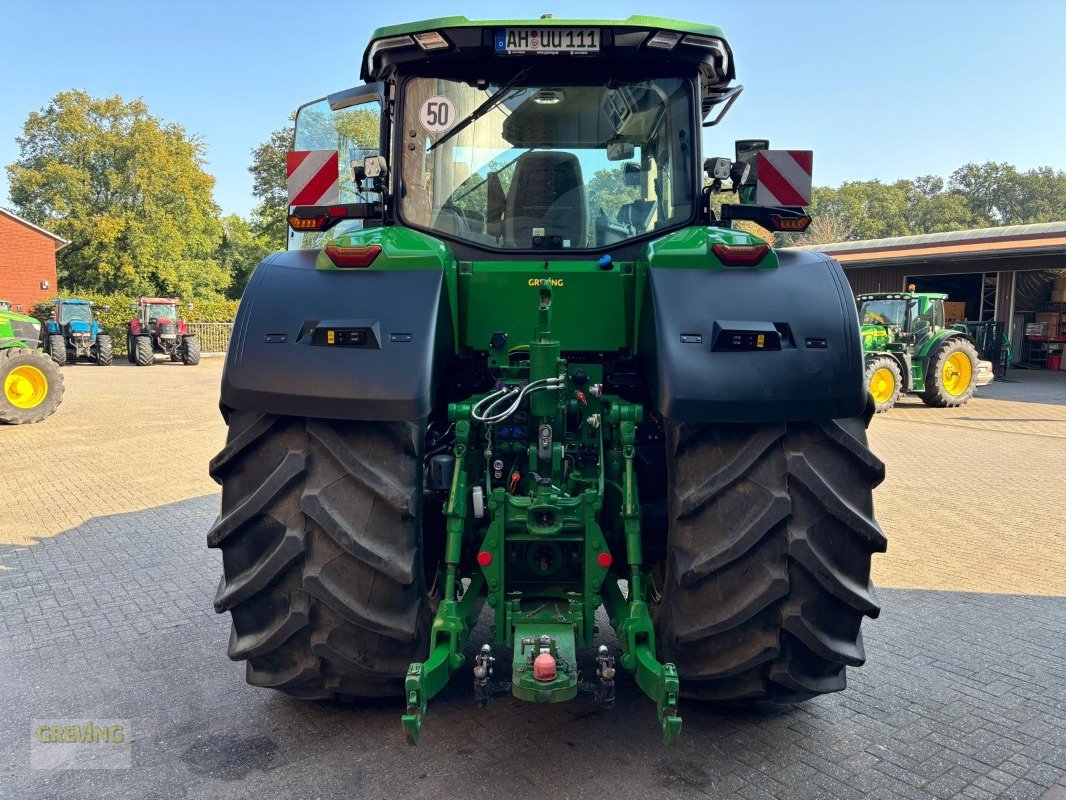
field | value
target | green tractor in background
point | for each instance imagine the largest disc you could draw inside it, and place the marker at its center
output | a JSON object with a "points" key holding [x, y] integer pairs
{"points": [[908, 348], [32, 385], [513, 361]]}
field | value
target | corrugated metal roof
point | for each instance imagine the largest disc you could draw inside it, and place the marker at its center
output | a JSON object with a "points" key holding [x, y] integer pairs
{"points": [[974, 235], [59, 240]]}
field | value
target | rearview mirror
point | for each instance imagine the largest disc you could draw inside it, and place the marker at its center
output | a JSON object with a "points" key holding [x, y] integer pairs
{"points": [[747, 152], [620, 149]]}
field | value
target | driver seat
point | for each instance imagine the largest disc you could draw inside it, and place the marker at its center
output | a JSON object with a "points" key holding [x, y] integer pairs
{"points": [[547, 191]]}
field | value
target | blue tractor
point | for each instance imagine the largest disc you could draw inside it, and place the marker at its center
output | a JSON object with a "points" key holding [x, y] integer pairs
{"points": [[73, 333]]}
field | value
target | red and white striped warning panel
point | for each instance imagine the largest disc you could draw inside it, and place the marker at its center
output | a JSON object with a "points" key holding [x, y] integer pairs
{"points": [[313, 177], [783, 177]]}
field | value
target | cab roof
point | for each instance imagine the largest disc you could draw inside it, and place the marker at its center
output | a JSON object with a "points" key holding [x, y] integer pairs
{"points": [[634, 21], [466, 41], [73, 302]]}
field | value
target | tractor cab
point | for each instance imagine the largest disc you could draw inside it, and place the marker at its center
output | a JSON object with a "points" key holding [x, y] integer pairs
{"points": [[900, 320], [567, 137]]}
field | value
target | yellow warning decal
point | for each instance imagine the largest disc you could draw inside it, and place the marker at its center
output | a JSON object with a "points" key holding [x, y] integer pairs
{"points": [[331, 337], [760, 340]]}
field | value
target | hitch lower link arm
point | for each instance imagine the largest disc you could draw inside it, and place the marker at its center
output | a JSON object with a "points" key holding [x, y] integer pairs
{"points": [[631, 619], [455, 617]]}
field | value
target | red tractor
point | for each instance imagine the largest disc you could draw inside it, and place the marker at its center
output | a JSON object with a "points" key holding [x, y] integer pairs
{"points": [[157, 329]]}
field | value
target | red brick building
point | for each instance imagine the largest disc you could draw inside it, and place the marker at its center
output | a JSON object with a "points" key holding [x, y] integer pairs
{"points": [[27, 262]]}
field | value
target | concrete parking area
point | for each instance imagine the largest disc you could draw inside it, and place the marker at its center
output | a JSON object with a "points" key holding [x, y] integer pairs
{"points": [[105, 613]]}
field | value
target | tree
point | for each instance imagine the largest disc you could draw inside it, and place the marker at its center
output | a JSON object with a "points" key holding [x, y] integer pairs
{"points": [[130, 192], [241, 250], [608, 191], [999, 194], [270, 217]]}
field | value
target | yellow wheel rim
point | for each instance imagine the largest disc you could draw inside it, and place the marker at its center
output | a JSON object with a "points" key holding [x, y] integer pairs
{"points": [[25, 387], [956, 374], [882, 385]]}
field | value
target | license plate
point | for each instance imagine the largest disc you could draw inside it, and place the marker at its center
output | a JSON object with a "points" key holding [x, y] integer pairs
{"points": [[548, 40]]}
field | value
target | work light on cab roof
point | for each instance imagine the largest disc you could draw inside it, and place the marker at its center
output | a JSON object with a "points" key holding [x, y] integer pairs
{"points": [[517, 357]]}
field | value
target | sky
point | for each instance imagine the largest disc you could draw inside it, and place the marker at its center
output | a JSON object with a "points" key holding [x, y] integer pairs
{"points": [[877, 89]]}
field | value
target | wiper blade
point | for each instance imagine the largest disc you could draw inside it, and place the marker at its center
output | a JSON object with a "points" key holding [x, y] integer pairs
{"points": [[490, 103]]}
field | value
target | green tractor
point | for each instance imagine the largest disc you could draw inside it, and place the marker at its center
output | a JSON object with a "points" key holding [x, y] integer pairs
{"points": [[909, 348], [512, 368], [32, 384]]}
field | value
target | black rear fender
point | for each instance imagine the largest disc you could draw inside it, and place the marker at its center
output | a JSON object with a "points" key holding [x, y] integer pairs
{"points": [[281, 359], [691, 320]]}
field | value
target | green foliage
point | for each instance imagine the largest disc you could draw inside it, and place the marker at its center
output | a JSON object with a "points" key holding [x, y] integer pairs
{"points": [[241, 250], [269, 219], [975, 196], [607, 190], [130, 192]]}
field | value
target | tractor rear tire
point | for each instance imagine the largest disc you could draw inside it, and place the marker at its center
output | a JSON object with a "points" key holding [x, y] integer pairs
{"points": [[883, 381], [190, 350], [767, 577], [105, 352], [321, 542], [57, 349], [20, 371], [942, 389], [142, 351]]}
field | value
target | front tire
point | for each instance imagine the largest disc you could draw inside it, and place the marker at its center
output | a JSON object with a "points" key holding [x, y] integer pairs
{"points": [[31, 386], [57, 349], [952, 375], [767, 577], [884, 382], [104, 350], [320, 533], [190, 350], [142, 351]]}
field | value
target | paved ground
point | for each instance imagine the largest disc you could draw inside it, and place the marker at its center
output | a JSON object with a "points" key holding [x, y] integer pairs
{"points": [[105, 613]]}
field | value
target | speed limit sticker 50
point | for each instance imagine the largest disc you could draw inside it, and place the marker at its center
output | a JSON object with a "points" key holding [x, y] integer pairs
{"points": [[437, 114]]}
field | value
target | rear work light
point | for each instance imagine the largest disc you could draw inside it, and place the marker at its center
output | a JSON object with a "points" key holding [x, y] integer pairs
{"points": [[431, 41], [740, 255], [353, 257], [664, 40]]}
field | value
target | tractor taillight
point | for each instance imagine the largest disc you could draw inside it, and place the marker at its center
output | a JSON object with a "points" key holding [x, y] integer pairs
{"points": [[307, 223], [353, 257], [740, 255]]}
